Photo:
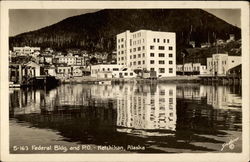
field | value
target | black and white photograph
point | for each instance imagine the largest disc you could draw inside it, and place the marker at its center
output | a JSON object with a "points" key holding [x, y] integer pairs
{"points": [[125, 80]]}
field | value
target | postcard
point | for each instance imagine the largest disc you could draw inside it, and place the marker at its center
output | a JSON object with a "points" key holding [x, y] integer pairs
{"points": [[124, 81]]}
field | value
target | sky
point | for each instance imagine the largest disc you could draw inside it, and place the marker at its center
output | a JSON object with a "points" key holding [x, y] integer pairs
{"points": [[25, 20]]}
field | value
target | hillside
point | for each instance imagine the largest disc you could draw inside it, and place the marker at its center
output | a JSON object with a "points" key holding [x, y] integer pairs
{"points": [[97, 31]]}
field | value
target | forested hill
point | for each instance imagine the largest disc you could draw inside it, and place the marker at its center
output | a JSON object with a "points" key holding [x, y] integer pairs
{"points": [[97, 31]]}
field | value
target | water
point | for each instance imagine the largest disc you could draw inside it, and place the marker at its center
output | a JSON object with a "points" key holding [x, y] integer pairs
{"points": [[125, 118]]}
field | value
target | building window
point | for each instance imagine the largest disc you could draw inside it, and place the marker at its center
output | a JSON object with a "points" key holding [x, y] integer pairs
{"points": [[139, 48], [162, 92], [131, 74], [164, 40], [143, 55], [170, 55], [134, 63], [170, 62], [143, 47], [170, 70], [152, 54], [152, 69], [143, 62], [161, 47], [122, 40], [134, 49], [139, 55], [115, 69], [158, 40], [161, 70], [167, 40], [126, 74], [170, 48], [171, 100], [154, 39], [152, 61], [139, 62], [152, 47], [134, 56], [130, 56], [161, 55], [232, 61], [170, 92], [161, 62]]}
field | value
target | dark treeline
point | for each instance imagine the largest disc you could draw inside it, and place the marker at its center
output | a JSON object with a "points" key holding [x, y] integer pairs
{"points": [[97, 31]]}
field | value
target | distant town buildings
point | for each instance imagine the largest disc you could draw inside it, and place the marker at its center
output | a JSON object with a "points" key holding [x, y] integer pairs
{"points": [[143, 53], [26, 50], [148, 50]]}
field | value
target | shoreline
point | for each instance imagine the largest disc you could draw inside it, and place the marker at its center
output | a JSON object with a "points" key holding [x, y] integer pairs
{"points": [[178, 79]]}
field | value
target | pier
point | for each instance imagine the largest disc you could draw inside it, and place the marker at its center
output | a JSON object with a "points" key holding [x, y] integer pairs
{"points": [[223, 80]]}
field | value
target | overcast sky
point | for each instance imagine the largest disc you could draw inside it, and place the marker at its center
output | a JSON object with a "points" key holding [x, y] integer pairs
{"points": [[24, 20]]}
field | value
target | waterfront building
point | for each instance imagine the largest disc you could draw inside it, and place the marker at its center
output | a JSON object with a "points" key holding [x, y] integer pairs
{"points": [[104, 70], [33, 69], [50, 70], [191, 69], [148, 50], [19, 73], [124, 73], [63, 71], [77, 71], [188, 67], [26, 50], [220, 64]]}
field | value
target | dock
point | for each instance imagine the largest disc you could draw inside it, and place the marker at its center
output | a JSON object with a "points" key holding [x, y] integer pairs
{"points": [[223, 80]]}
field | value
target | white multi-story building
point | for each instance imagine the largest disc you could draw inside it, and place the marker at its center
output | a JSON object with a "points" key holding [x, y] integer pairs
{"points": [[148, 50], [219, 64]]}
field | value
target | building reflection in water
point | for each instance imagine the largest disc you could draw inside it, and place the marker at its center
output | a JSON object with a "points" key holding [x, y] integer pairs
{"points": [[138, 106], [147, 107], [154, 114], [219, 97]]}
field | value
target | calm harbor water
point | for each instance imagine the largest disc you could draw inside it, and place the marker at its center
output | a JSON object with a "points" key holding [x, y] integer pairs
{"points": [[151, 118]]}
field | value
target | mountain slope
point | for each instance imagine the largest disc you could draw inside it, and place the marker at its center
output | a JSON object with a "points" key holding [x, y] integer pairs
{"points": [[97, 31]]}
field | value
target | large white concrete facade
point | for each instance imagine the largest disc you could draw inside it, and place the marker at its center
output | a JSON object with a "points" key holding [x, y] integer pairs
{"points": [[219, 64], [148, 50]]}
